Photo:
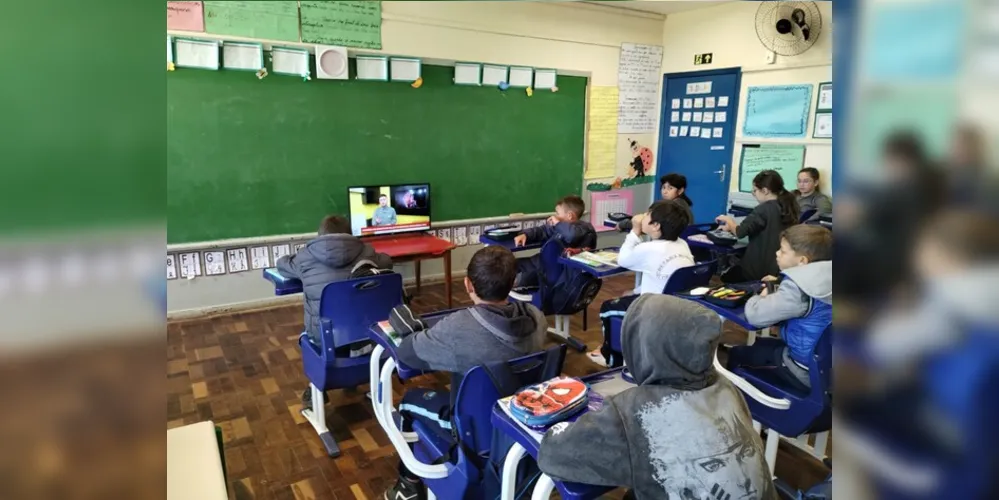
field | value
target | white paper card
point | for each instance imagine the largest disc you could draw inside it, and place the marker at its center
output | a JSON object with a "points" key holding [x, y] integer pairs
{"points": [[214, 263], [521, 76], [705, 133], [699, 88], [709, 102], [686, 116], [720, 116], [723, 101], [237, 260], [460, 236], [473, 234], [688, 103], [242, 56], [298, 247], [674, 130], [823, 125], [467, 74], [280, 251], [197, 54], [825, 97], [683, 130], [404, 69], [699, 103], [372, 68], [171, 268], [290, 62], [260, 258], [444, 234], [545, 79], [716, 132], [709, 117], [190, 265], [675, 103], [674, 116], [698, 116], [493, 75], [695, 131]]}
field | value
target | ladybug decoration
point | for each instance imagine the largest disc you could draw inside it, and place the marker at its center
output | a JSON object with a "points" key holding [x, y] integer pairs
{"points": [[641, 160]]}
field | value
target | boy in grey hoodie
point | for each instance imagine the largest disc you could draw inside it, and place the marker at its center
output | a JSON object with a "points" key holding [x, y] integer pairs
{"points": [[492, 330], [685, 433], [802, 306]]}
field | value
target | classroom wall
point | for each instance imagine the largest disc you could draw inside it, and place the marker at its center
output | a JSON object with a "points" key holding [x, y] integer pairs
{"points": [[728, 31], [580, 39]]}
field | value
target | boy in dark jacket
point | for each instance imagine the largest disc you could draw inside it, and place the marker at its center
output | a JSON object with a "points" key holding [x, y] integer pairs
{"points": [[684, 433], [564, 226], [492, 330], [330, 257]]}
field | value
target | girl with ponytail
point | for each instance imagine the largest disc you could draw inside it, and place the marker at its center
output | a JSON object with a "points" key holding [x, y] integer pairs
{"points": [[777, 210]]}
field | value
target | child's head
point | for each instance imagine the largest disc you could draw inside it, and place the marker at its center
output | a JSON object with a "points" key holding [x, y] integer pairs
{"points": [[803, 244], [955, 241], [665, 220], [570, 208], [904, 156], [490, 274], [334, 224], [383, 200], [769, 185], [673, 186], [808, 181]]}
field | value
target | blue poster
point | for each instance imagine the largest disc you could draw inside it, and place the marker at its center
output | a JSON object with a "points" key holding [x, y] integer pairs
{"points": [[777, 111]]}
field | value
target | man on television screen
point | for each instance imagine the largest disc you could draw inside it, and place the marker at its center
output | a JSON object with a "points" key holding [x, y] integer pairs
{"points": [[384, 215]]}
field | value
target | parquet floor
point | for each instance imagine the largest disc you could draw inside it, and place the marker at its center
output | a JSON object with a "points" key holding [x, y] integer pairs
{"points": [[243, 371]]}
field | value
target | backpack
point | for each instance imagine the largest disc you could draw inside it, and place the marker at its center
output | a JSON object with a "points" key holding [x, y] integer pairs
{"points": [[564, 289], [366, 268]]}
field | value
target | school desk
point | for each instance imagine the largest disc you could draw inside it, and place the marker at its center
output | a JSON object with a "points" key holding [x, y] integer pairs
{"points": [[602, 271], [407, 248], [526, 440], [509, 244], [195, 467], [735, 315]]}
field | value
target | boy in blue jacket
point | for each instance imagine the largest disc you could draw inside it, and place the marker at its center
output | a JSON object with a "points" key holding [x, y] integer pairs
{"points": [[802, 305], [564, 226]]}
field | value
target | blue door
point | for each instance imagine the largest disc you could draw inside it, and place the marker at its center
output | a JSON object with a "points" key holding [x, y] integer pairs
{"points": [[705, 161]]}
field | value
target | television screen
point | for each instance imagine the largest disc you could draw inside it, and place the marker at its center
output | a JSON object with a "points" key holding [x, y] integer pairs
{"points": [[389, 209]]}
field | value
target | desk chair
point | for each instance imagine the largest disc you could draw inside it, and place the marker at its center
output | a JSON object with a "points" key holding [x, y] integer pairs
{"points": [[683, 279], [347, 310], [806, 214], [959, 386], [459, 466], [558, 296], [788, 412]]}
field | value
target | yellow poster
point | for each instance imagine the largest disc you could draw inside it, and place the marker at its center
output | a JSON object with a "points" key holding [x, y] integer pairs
{"points": [[601, 136]]}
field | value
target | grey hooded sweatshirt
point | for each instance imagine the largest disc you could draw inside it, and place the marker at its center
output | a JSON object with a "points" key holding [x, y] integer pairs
{"points": [[684, 433], [326, 259]]}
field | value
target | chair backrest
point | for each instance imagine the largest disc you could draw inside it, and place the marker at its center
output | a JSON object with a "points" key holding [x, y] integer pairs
{"points": [[690, 277], [478, 394], [820, 367], [348, 308], [551, 269], [806, 214]]}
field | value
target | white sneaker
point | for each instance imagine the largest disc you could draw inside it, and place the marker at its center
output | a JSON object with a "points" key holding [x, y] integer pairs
{"points": [[597, 357]]}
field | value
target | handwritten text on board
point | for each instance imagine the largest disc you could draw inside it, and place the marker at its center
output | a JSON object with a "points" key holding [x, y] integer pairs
{"points": [[601, 138], [185, 16], [265, 20], [638, 74], [350, 24], [786, 160]]}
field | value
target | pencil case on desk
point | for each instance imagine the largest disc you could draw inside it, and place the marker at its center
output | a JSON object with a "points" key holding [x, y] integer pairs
{"points": [[542, 405], [728, 296]]}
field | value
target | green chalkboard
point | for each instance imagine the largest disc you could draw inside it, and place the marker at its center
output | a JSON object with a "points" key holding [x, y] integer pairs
{"points": [[787, 160], [249, 157]]}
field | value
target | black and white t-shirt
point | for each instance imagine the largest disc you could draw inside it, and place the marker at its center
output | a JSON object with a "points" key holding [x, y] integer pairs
{"points": [[656, 260]]}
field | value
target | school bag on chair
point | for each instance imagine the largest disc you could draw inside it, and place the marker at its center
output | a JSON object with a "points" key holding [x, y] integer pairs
{"points": [[564, 290], [366, 268]]}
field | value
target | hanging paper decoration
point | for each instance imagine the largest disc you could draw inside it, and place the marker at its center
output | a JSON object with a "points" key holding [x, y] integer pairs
{"points": [[417, 83], [529, 91], [261, 73], [306, 76], [170, 66], [504, 85], [554, 89]]}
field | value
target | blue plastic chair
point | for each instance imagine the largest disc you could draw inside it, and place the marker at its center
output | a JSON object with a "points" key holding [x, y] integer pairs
{"points": [[549, 274], [786, 411], [683, 279], [347, 310], [456, 464]]}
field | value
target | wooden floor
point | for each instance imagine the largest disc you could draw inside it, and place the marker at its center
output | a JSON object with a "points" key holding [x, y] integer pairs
{"points": [[243, 371]]}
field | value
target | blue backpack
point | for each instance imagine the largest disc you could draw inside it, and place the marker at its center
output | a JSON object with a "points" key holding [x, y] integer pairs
{"points": [[564, 290]]}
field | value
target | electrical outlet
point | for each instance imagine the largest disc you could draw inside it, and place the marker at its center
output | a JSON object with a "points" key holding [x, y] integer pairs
{"points": [[771, 57]]}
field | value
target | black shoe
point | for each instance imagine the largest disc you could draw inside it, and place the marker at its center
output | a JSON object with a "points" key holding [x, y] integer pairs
{"points": [[406, 489], [307, 398]]}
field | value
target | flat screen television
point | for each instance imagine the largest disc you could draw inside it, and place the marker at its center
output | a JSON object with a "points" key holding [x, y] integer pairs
{"points": [[389, 209]]}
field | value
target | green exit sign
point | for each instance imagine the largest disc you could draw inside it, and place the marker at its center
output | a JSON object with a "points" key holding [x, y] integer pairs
{"points": [[702, 59]]}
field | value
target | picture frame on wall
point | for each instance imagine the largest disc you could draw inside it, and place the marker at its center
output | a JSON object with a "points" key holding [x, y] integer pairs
{"points": [[822, 129]]}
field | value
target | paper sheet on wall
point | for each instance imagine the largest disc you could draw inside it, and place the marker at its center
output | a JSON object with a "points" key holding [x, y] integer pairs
{"points": [[185, 16], [269, 20], [785, 160], [638, 74], [601, 138], [350, 24], [777, 111]]}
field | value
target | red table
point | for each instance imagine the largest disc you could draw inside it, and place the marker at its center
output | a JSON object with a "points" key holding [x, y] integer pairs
{"points": [[416, 248]]}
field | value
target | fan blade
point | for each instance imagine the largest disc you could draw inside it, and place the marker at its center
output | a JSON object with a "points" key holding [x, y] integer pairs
{"points": [[805, 31]]}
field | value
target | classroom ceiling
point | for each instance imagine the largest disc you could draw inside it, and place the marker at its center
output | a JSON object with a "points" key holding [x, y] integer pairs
{"points": [[663, 7]]}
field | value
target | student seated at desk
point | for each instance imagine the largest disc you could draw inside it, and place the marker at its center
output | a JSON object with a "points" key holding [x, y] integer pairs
{"points": [[802, 305], [673, 187], [332, 256], [809, 196], [656, 259], [684, 433], [777, 211], [492, 330], [565, 226]]}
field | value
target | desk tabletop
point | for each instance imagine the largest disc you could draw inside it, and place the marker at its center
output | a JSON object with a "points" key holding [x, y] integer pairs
{"points": [[194, 463], [736, 315], [509, 244], [601, 271], [410, 245], [383, 339], [283, 285]]}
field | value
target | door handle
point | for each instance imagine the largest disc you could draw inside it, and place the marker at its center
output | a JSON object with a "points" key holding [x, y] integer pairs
{"points": [[721, 173]]}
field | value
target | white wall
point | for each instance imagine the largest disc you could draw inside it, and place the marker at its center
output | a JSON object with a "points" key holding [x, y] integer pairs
{"points": [[728, 31], [577, 39]]}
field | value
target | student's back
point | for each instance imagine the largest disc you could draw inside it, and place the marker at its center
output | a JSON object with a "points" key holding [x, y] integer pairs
{"points": [[766, 223], [328, 258], [685, 432]]}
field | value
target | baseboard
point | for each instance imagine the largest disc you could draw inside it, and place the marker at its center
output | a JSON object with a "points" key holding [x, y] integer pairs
{"points": [[278, 301]]}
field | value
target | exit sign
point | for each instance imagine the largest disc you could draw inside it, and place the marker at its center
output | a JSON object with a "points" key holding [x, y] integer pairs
{"points": [[702, 59]]}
